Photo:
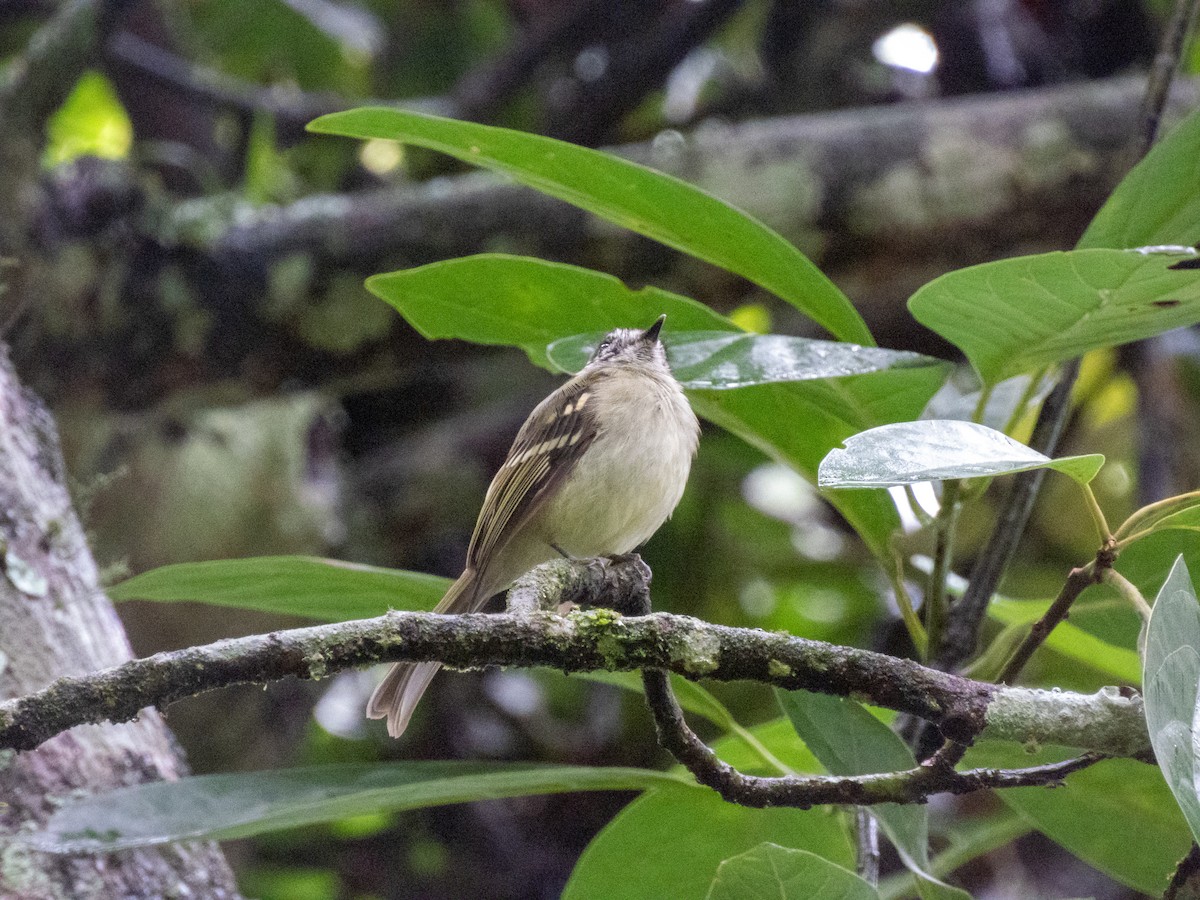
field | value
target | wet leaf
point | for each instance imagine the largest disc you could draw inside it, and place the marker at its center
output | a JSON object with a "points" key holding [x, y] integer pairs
{"points": [[1170, 685], [723, 361], [935, 450]]}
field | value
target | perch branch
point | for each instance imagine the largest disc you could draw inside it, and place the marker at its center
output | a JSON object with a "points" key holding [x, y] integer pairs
{"points": [[960, 708]]}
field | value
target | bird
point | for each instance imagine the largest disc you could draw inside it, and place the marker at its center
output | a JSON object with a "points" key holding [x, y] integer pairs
{"points": [[596, 469]]}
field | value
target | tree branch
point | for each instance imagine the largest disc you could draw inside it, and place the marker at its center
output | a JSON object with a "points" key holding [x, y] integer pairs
{"points": [[586, 641]]}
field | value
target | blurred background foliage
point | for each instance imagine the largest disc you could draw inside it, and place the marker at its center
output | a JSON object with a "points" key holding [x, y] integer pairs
{"points": [[374, 445]]}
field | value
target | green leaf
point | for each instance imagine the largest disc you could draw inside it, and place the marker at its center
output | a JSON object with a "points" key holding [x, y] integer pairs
{"points": [[1171, 680], [521, 302], [222, 807], [848, 740], [1117, 816], [1019, 315], [721, 361], [939, 449], [677, 839], [90, 122], [635, 197], [771, 872], [1158, 202], [326, 589]]}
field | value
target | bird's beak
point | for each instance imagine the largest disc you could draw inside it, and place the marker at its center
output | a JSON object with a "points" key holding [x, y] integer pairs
{"points": [[650, 335]]}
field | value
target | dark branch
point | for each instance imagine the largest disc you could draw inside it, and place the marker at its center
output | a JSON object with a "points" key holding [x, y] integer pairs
{"points": [[914, 785], [1077, 582], [1162, 73]]}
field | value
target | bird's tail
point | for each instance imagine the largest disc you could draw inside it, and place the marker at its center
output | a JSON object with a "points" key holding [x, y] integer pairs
{"points": [[402, 687]]}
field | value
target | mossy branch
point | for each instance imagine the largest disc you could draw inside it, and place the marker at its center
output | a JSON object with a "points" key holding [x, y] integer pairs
{"points": [[582, 641]]}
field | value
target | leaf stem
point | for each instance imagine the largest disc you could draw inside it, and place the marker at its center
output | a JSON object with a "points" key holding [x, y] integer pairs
{"points": [[1128, 591], [916, 631], [1152, 513], [1027, 395], [985, 394], [1106, 536], [936, 600], [917, 509]]}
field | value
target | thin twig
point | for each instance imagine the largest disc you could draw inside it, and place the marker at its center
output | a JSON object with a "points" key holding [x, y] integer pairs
{"points": [[1162, 72], [937, 600], [1077, 582], [866, 840]]}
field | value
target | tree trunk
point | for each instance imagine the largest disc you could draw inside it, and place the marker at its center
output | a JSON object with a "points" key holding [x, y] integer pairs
{"points": [[55, 620]]}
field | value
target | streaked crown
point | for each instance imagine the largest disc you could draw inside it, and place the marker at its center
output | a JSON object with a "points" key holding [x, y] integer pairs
{"points": [[631, 345]]}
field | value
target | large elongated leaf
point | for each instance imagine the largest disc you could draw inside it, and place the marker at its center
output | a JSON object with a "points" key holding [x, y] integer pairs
{"points": [[633, 196], [722, 361], [222, 807], [1158, 202], [529, 303], [936, 449], [326, 589], [771, 872], [848, 740], [678, 839], [1170, 684], [1118, 815], [1019, 315]]}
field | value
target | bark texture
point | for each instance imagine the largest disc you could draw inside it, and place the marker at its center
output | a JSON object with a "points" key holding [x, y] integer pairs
{"points": [[55, 620]]}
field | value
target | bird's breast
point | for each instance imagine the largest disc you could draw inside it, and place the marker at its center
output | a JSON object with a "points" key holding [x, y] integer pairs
{"points": [[633, 475]]}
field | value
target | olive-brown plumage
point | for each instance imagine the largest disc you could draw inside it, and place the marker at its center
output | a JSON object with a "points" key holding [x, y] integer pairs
{"points": [[597, 467]]}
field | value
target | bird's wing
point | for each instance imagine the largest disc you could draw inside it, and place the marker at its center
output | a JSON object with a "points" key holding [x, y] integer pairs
{"points": [[553, 439]]}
